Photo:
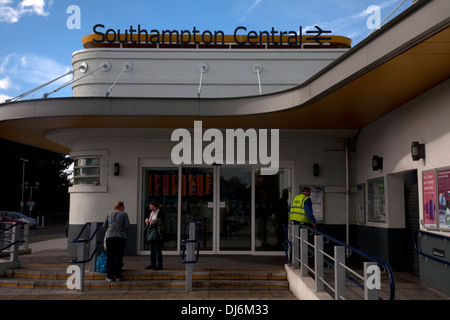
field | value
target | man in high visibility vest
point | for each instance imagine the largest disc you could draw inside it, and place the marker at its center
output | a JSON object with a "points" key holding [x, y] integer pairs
{"points": [[300, 209]]}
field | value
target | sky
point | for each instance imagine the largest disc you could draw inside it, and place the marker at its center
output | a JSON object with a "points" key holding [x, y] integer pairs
{"points": [[38, 37]]}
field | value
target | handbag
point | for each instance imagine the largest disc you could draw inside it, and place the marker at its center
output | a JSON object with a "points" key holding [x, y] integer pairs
{"points": [[152, 235], [101, 264]]}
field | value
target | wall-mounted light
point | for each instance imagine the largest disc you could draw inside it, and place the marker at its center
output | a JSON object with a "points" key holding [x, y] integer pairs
{"points": [[116, 169], [316, 169], [377, 163], [417, 151]]}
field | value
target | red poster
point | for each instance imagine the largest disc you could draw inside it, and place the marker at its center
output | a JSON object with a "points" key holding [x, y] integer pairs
{"points": [[429, 199]]}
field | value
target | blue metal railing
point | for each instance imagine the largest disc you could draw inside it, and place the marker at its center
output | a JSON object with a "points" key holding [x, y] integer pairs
{"points": [[419, 249], [78, 240], [288, 252]]}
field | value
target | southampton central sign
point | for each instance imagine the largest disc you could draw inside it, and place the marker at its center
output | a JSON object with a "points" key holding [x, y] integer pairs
{"points": [[182, 37]]}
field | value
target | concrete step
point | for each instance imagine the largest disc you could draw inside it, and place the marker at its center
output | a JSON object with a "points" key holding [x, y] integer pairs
{"points": [[151, 280]]}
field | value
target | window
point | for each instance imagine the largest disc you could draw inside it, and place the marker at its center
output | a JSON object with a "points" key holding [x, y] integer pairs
{"points": [[86, 171], [90, 171]]}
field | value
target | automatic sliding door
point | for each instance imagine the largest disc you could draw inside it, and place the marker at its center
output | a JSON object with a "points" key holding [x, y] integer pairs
{"points": [[197, 202], [235, 209]]}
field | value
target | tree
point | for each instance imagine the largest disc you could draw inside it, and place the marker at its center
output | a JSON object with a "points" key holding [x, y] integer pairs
{"points": [[46, 167]]}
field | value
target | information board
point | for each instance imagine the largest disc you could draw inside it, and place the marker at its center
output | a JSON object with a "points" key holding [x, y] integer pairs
{"points": [[166, 184], [376, 200], [317, 201]]}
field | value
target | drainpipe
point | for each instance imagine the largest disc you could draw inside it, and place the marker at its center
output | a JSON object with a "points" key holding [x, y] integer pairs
{"points": [[347, 193]]}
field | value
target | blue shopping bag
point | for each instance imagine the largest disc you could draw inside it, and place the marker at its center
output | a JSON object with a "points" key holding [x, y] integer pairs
{"points": [[101, 263]]}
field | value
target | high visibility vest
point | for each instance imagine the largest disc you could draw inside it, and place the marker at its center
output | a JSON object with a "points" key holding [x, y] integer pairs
{"points": [[297, 210]]}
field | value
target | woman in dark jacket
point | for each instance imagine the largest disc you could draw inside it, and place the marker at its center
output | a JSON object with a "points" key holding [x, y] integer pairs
{"points": [[154, 226]]}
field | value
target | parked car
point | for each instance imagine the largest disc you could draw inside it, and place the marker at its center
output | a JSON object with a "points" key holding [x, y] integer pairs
{"points": [[4, 218], [14, 215]]}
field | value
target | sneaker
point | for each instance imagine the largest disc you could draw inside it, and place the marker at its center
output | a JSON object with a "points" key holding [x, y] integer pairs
{"points": [[150, 267], [109, 280]]}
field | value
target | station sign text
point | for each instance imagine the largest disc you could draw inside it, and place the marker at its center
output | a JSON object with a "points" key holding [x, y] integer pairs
{"points": [[182, 37]]}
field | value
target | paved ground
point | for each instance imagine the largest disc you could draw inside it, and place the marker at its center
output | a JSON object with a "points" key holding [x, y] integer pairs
{"points": [[49, 252], [49, 245]]}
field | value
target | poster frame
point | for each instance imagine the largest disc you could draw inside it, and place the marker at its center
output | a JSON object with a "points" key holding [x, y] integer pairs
{"points": [[361, 202], [381, 215], [317, 192], [431, 226]]}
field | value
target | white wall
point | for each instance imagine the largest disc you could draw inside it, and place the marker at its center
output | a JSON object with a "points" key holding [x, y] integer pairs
{"points": [[426, 119], [175, 72], [301, 148]]}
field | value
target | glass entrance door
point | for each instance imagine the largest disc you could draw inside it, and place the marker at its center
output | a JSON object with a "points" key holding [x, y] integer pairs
{"points": [[235, 209], [219, 198], [197, 203], [237, 214]]}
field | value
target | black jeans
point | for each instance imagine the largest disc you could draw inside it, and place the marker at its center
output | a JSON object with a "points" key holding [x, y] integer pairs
{"points": [[156, 258], [115, 247]]}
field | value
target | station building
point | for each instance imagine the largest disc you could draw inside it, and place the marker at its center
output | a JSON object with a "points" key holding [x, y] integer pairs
{"points": [[226, 129]]}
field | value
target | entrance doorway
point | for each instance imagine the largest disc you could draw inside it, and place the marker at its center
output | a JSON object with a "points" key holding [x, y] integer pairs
{"points": [[411, 219], [219, 198], [239, 210]]}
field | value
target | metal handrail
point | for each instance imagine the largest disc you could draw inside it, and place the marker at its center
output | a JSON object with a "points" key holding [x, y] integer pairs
{"points": [[99, 243], [287, 245], [11, 226], [419, 250], [8, 228], [382, 263], [353, 249], [11, 244], [78, 240], [185, 241]]}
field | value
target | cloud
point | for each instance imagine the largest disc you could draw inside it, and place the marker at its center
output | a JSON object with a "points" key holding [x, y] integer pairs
{"points": [[365, 13], [32, 68], [12, 14], [249, 10], [24, 72], [39, 70], [5, 83], [353, 25], [4, 97]]}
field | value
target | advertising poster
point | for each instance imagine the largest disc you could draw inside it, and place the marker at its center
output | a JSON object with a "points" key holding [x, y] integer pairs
{"points": [[429, 199], [376, 200], [317, 201], [443, 178]]}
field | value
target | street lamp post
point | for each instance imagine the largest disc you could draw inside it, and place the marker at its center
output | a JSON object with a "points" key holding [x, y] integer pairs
{"points": [[30, 202], [23, 183]]}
